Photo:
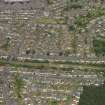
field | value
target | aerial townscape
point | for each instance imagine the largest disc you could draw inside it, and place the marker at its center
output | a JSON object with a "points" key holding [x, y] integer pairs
{"points": [[52, 52]]}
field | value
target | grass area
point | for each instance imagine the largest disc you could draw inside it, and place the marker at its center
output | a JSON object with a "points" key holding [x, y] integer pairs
{"points": [[93, 95], [99, 47], [18, 85], [6, 44], [52, 103], [50, 21], [55, 65], [66, 102], [50, 2], [75, 6]]}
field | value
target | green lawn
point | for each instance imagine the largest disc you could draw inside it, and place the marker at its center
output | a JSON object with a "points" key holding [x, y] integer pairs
{"points": [[99, 47], [93, 95], [50, 21], [67, 65]]}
